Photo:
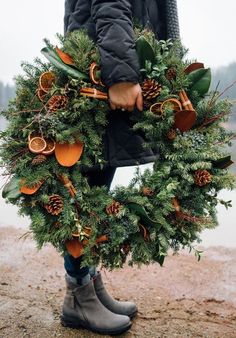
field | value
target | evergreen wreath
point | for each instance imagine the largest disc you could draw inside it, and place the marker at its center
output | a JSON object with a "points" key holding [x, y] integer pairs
{"points": [[56, 124]]}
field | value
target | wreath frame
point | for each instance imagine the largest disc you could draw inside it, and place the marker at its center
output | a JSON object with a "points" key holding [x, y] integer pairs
{"points": [[61, 108]]}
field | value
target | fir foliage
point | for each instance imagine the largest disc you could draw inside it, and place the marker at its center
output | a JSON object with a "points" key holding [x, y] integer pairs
{"points": [[146, 225]]}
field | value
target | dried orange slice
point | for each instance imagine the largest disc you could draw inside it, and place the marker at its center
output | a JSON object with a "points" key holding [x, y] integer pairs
{"points": [[30, 190], [37, 145], [68, 154], [46, 81], [173, 103], [93, 70], [41, 94], [156, 109], [50, 147]]}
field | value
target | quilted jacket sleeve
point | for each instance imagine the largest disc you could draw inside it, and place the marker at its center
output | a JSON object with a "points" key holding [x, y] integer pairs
{"points": [[115, 39]]}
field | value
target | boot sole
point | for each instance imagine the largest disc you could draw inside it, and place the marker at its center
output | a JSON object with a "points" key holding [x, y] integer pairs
{"points": [[78, 325], [132, 315]]}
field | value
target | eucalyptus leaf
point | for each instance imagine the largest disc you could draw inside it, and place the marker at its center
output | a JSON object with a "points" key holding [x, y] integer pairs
{"points": [[145, 52], [200, 80], [53, 57], [12, 189]]}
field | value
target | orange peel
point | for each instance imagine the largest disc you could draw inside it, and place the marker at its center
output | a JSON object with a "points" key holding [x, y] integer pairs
{"points": [[185, 119], [66, 58], [27, 190], [68, 154]]}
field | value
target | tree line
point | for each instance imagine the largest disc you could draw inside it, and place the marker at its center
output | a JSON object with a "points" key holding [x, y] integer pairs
{"points": [[7, 92], [224, 80]]}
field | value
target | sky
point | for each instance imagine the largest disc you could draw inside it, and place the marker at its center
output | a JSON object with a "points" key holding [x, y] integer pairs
{"points": [[207, 30]]}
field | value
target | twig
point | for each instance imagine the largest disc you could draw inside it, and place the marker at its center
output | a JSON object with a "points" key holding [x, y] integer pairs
{"points": [[216, 96], [212, 101], [25, 235], [223, 142], [26, 111], [212, 119], [225, 90], [5, 183]]}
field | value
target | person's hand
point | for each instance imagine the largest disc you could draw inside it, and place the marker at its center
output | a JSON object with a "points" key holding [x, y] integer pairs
{"points": [[125, 96]]}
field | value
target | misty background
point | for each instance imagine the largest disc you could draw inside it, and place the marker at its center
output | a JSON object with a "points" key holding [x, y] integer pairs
{"points": [[207, 30]]}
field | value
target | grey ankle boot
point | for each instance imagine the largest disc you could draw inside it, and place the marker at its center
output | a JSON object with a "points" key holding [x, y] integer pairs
{"points": [[122, 308], [82, 309]]}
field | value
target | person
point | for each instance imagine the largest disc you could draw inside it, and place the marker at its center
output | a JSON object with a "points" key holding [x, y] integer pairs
{"points": [[110, 24]]}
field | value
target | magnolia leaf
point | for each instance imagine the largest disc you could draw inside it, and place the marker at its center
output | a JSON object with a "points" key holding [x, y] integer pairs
{"points": [[145, 52], [159, 256], [142, 213], [200, 81], [66, 58], [53, 57], [223, 162], [193, 66], [161, 259], [12, 189]]}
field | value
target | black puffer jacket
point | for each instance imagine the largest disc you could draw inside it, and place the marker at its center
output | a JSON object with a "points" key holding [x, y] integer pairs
{"points": [[110, 24]]}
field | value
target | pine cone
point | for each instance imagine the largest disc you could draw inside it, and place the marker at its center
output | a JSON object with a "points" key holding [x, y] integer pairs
{"points": [[39, 159], [171, 74], [55, 205], [147, 191], [151, 89], [113, 208], [202, 177], [171, 135], [57, 102]]}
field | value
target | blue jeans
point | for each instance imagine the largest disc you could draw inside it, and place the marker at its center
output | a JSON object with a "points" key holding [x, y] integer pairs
{"points": [[95, 178]]}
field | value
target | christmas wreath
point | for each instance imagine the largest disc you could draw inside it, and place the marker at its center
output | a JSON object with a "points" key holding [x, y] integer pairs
{"points": [[56, 124]]}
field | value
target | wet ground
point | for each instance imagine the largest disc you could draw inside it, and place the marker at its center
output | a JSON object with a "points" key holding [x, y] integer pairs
{"points": [[185, 298]]}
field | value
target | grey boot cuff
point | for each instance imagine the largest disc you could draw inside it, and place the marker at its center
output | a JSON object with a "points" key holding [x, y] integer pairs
{"points": [[79, 281]]}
